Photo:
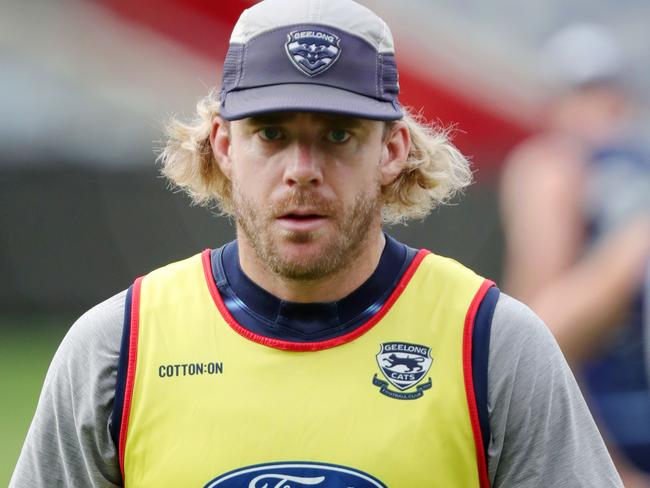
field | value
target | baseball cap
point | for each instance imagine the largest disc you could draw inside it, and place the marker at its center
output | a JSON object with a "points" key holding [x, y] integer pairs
{"points": [[581, 54], [332, 56]]}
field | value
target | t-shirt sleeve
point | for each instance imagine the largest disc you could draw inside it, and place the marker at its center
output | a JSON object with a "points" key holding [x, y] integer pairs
{"points": [[68, 442], [542, 433]]}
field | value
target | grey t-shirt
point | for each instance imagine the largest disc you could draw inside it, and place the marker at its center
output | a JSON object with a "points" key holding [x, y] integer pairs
{"points": [[542, 434]]}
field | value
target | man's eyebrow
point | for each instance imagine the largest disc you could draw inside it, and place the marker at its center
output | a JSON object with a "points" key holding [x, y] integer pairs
{"points": [[269, 119], [342, 120]]}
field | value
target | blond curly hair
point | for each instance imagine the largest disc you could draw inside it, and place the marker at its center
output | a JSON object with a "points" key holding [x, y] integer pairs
{"points": [[435, 169]]}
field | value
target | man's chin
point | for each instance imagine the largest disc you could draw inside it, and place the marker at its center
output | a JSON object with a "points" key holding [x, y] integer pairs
{"points": [[302, 249], [300, 238], [303, 270], [304, 259]]}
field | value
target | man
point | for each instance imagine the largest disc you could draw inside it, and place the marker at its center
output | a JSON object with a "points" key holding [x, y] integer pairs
{"points": [[315, 350], [584, 181]]}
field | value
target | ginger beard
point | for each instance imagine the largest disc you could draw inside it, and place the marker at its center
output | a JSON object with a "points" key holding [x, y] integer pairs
{"points": [[337, 247]]}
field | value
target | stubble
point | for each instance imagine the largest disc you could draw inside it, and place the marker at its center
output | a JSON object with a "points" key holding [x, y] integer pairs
{"points": [[353, 225]]}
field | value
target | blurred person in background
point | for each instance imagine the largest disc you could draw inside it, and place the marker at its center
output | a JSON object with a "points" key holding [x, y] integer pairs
{"points": [[576, 213]]}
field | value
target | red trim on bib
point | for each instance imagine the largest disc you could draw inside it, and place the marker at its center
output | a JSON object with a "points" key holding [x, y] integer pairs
{"points": [[308, 346], [469, 382], [130, 371]]}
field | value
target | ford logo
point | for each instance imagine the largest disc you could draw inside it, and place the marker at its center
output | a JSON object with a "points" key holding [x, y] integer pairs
{"points": [[295, 475]]}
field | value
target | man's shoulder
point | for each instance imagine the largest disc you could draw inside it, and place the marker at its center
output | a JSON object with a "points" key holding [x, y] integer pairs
{"points": [[522, 347], [99, 330], [514, 319], [444, 268], [537, 414], [516, 329], [170, 271], [511, 312], [76, 405]]}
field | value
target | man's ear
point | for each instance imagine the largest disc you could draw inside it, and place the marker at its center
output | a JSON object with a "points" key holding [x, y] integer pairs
{"points": [[397, 144], [220, 143]]}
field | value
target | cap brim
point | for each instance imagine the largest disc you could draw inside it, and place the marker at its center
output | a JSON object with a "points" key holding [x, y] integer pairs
{"points": [[305, 97]]}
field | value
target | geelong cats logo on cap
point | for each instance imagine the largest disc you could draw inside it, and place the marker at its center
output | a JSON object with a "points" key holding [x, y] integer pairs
{"points": [[404, 365], [312, 51]]}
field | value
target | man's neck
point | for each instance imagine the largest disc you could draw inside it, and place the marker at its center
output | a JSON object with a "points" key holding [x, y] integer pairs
{"points": [[327, 289]]}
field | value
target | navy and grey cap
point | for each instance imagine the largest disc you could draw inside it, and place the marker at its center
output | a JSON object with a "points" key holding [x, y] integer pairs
{"points": [[332, 56]]}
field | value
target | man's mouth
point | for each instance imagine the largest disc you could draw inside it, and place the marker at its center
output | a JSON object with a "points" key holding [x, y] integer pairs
{"points": [[302, 220], [302, 216]]}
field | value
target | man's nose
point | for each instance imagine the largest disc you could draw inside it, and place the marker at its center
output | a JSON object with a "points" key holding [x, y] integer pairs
{"points": [[303, 167]]}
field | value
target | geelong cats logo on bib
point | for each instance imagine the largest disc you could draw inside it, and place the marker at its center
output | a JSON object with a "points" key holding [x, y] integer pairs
{"points": [[313, 51], [295, 475], [404, 365]]}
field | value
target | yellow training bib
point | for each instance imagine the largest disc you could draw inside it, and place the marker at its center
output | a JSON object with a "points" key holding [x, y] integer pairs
{"points": [[211, 404]]}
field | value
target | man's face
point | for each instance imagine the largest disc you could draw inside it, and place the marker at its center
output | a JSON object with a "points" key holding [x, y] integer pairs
{"points": [[306, 189]]}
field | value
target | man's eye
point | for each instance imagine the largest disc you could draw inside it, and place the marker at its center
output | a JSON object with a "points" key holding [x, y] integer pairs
{"points": [[271, 134], [338, 135]]}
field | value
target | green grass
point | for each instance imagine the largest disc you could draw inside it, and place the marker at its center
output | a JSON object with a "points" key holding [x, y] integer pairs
{"points": [[27, 345]]}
